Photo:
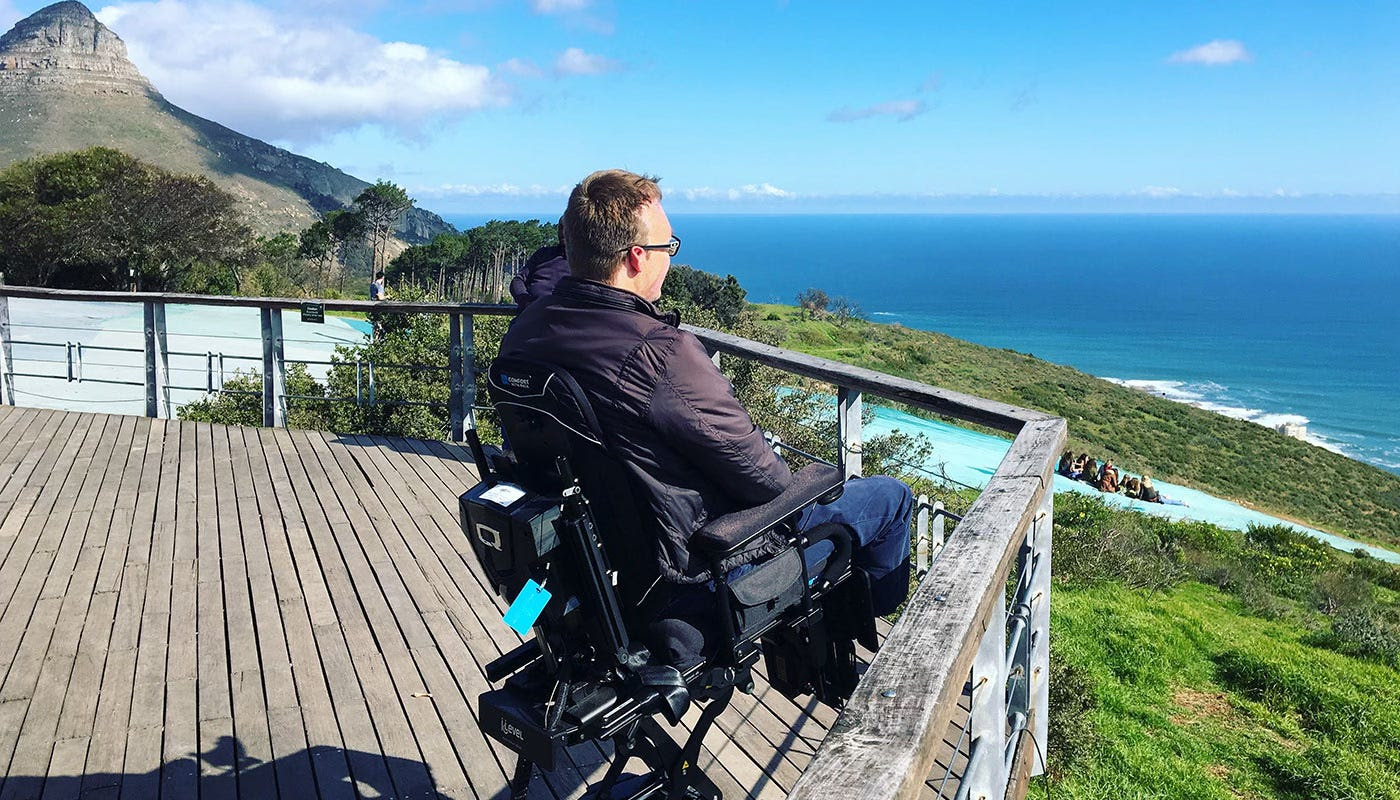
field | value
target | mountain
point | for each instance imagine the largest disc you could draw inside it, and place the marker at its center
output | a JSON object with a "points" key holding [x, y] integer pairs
{"points": [[66, 83]]}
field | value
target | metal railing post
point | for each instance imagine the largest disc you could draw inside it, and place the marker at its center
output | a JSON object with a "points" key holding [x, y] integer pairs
{"points": [[454, 377], [921, 543], [468, 372], [986, 774], [7, 358], [848, 408], [274, 377], [157, 359], [1039, 633]]}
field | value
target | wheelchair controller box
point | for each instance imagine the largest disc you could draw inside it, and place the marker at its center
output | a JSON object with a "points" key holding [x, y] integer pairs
{"points": [[511, 531]]}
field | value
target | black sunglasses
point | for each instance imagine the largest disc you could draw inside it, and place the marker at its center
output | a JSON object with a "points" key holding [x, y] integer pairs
{"points": [[672, 247]]}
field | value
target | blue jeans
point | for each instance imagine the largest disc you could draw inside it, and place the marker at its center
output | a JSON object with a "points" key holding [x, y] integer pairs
{"points": [[877, 509]]}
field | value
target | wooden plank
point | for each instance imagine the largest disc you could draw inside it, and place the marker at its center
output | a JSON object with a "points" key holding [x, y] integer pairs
{"points": [[392, 682], [28, 562], [324, 741], [361, 679], [886, 739]]}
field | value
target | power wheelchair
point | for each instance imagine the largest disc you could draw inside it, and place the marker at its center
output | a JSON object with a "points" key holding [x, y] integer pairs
{"points": [[556, 525]]}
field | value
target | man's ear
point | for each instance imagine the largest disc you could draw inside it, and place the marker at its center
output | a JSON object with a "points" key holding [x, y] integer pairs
{"points": [[631, 262]]}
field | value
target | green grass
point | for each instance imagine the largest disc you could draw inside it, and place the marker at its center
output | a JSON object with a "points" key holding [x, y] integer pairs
{"points": [[1230, 458], [1195, 698]]}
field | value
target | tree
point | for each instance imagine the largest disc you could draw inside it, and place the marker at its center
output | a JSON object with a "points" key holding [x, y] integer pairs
{"points": [[93, 218], [687, 289], [380, 206], [813, 302], [845, 310]]}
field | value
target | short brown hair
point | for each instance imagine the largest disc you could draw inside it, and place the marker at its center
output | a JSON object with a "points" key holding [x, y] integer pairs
{"points": [[603, 218]]}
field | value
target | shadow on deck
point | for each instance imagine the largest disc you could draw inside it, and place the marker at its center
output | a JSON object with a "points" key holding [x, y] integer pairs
{"points": [[199, 610]]}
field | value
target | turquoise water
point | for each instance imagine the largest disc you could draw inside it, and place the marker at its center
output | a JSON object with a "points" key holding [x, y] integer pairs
{"points": [[970, 458]]}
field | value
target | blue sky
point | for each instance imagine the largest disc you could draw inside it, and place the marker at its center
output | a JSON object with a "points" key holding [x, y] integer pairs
{"points": [[482, 105]]}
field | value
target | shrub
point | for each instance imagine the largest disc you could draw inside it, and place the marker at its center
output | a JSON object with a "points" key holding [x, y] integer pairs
{"points": [[1071, 738]]}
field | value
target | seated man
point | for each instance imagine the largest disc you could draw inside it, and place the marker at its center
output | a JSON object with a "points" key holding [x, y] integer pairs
{"points": [[667, 410]]}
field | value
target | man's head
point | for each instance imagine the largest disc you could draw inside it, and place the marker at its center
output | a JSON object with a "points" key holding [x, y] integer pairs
{"points": [[615, 232]]}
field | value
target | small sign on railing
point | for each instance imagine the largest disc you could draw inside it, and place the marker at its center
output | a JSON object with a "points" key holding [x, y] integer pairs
{"points": [[313, 312]]}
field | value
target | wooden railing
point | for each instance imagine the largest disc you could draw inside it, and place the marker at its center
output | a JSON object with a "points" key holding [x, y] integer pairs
{"points": [[958, 629]]}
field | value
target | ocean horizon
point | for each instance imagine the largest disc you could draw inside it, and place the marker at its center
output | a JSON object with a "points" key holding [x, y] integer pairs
{"points": [[1269, 318]]}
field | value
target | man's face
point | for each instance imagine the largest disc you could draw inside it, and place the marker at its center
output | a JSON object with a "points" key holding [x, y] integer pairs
{"points": [[655, 263]]}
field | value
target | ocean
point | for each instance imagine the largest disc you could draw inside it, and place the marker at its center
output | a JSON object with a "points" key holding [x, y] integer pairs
{"points": [[1269, 318]]}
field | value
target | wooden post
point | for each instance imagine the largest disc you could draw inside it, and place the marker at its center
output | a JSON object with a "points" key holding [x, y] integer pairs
{"points": [[274, 378], [454, 376], [7, 359], [157, 359], [848, 431]]}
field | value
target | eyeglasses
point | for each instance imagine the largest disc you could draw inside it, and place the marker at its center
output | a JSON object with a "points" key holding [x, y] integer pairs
{"points": [[672, 247]]}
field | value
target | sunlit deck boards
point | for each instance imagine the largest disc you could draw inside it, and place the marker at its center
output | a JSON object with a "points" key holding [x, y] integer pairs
{"points": [[198, 610]]}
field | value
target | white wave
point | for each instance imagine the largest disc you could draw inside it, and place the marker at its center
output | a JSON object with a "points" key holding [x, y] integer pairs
{"points": [[1213, 397]]}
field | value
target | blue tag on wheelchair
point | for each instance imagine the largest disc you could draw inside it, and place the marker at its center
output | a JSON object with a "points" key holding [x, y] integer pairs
{"points": [[528, 606]]}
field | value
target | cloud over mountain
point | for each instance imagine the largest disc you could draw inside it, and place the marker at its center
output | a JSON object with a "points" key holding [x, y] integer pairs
{"points": [[283, 77]]}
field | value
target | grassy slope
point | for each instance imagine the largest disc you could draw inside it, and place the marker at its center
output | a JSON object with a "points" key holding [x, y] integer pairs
{"points": [[1142, 433], [1196, 699]]}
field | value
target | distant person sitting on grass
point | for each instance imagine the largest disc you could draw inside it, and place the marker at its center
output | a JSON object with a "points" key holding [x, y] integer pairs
{"points": [[1091, 470], [1151, 495], [1066, 463], [1076, 468], [1108, 478], [376, 287], [1132, 487]]}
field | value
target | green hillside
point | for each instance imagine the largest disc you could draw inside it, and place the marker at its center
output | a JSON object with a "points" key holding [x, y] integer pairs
{"points": [[1230, 458]]}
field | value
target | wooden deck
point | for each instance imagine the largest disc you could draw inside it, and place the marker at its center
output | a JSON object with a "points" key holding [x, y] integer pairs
{"points": [[192, 610]]}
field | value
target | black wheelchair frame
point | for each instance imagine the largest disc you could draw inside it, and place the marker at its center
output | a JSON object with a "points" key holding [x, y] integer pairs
{"points": [[587, 675]]}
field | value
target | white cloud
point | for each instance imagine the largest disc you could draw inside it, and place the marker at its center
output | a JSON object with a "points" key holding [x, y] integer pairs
{"points": [[749, 191], [558, 6], [1158, 191], [575, 61], [523, 67], [448, 190], [1215, 53], [903, 110], [283, 77]]}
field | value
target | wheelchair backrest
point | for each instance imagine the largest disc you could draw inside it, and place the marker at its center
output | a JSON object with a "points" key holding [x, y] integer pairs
{"points": [[545, 415]]}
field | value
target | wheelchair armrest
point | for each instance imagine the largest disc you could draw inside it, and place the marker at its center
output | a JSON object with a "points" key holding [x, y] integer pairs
{"points": [[733, 531]]}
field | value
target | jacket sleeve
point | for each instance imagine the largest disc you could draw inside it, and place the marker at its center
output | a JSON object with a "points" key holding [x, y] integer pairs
{"points": [[694, 407]]}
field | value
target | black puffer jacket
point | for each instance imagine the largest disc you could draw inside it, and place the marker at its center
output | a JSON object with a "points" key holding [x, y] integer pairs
{"points": [[668, 411]]}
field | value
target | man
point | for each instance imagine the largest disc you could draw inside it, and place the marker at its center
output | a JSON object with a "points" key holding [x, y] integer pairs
{"points": [[664, 406]]}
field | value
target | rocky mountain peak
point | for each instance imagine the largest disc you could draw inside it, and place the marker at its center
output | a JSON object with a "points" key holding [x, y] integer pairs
{"points": [[64, 44]]}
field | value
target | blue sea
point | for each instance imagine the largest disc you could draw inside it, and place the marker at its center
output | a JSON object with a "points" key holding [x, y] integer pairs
{"points": [[1268, 318]]}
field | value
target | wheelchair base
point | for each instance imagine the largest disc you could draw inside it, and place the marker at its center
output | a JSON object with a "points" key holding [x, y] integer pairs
{"points": [[673, 773]]}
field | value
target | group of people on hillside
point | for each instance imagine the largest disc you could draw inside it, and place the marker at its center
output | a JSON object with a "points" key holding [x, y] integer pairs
{"points": [[1107, 478]]}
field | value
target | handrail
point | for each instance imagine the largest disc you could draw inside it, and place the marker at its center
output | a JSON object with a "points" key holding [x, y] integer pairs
{"points": [[171, 298], [955, 629]]}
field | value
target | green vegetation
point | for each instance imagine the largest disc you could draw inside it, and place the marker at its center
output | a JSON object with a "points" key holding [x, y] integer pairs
{"points": [[98, 218], [474, 265], [1193, 662], [1142, 433]]}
